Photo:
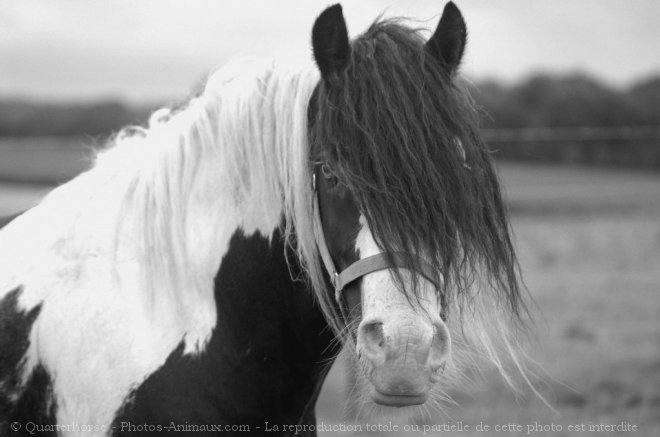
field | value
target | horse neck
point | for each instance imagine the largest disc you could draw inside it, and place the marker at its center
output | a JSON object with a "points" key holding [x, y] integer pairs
{"points": [[273, 327], [226, 169], [267, 356], [228, 161]]}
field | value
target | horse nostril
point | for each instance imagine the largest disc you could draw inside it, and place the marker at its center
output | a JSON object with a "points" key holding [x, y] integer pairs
{"points": [[374, 334], [371, 340], [440, 347]]}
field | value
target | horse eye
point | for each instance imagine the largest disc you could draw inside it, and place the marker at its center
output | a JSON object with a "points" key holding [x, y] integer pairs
{"points": [[328, 174]]}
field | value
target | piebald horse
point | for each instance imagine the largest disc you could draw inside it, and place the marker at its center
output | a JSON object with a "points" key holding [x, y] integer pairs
{"points": [[208, 268]]}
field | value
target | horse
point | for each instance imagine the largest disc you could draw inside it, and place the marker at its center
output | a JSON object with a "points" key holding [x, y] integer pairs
{"points": [[205, 272]]}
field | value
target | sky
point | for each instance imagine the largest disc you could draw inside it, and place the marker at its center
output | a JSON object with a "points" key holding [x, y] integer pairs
{"points": [[155, 50]]}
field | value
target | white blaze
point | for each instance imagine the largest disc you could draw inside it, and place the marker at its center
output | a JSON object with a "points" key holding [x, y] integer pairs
{"points": [[383, 302]]}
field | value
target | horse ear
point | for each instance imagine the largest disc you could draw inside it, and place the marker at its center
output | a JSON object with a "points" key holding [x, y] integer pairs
{"points": [[448, 41], [332, 50]]}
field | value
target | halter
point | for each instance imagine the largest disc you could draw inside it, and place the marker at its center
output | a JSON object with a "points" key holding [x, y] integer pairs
{"points": [[364, 266]]}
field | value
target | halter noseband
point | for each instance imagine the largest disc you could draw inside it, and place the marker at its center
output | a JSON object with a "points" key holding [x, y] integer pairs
{"points": [[361, 267]]}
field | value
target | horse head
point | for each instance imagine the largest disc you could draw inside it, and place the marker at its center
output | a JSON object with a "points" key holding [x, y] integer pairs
{"points": [[408, 207]]}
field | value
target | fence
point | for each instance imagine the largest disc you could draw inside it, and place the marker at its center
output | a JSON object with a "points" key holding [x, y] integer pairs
{"points": [[49, 160], [632, 147]]}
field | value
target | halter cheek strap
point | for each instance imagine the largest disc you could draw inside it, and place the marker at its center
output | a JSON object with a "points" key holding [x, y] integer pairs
{"points": [[361, 267]]}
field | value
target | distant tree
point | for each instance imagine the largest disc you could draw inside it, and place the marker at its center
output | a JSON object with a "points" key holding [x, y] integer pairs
{"points": [[542, 100], [498, 106], [570, 100], [646, 96], [20, 118]]}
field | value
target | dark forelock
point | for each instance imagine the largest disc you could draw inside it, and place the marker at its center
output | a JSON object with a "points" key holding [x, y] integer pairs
{"points": [[392, 128]]}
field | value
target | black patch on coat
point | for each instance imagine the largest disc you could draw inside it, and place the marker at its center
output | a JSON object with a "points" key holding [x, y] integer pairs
{"points": [[265, 362], [33, 401]]}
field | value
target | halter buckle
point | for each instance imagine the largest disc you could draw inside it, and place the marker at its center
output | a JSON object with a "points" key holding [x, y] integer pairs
{"points": [[336, 284]]}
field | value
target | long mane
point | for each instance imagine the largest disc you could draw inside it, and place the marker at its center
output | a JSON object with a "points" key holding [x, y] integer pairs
{"points": [[235, 156]]}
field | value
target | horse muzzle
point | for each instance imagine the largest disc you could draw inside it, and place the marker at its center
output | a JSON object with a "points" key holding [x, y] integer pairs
{"points": [[403, 359]]}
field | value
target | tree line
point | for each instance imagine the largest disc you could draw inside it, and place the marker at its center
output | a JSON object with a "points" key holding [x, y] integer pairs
{"points": [[567, 101], [20, 118], [541, 100]]}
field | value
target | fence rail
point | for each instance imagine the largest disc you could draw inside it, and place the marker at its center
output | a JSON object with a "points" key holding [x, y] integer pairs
{"points": [[626, 146], [57, 159]]}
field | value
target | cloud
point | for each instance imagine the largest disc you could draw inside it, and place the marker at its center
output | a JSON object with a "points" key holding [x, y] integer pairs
{"points": [[154, 49]]}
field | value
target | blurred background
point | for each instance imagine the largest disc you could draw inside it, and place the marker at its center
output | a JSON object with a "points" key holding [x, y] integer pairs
{"points": [[570, 98]]}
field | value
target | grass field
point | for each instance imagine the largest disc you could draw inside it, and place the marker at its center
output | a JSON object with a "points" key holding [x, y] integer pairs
{"points": [[589, 246]]}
